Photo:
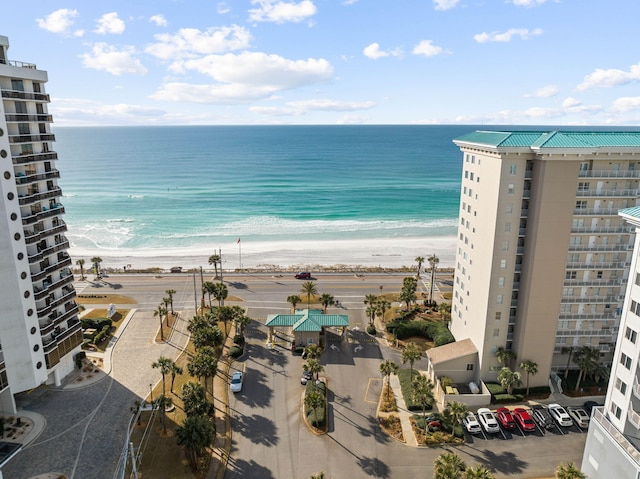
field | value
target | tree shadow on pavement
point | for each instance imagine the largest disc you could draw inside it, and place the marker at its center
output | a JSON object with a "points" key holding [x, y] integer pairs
{"points": [[261, 394], [372, 466], [274, 357], [241, 468], [258, 429]]}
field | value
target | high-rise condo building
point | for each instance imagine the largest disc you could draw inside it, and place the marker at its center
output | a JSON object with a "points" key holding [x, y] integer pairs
{"points": [[39, 326], [613, 442], [542, 256]]}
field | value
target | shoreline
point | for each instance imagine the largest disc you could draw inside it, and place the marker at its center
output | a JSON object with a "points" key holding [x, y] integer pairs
{"points": [[328, 255]]}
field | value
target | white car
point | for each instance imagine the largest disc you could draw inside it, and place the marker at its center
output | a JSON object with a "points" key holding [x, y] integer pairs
{"points": [[488, 420], [559, 414], [471, 424], [236, 382], [580, 416]]}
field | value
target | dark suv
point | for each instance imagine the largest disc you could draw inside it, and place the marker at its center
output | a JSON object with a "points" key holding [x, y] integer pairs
{"points": [[303, 275], [542, 417]]}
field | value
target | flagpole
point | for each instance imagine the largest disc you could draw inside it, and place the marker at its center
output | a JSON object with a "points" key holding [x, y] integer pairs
{"points": [[240, 253]]}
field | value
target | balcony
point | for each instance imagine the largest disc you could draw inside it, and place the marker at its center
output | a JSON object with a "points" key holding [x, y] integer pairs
{"points": [[597, 282], [34, 157], [618, 247], [28, 199], [27, 179], [23, 95], [64, 245], [31, 138], [598, 266], [62, 334], [634, 418], [609, 174], [615, 435], [40, 293], [25, 117], [589, 316], [592, 299], [50, 269], [52, 324], [602, 229], [58, 209], [604, 333], [636, 387], [33, 236], [596, 211], [68, 293]]}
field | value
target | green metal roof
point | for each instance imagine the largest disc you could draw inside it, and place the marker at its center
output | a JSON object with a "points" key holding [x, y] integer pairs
{"points": [[553, 139], [307, 320], [633, 211]]}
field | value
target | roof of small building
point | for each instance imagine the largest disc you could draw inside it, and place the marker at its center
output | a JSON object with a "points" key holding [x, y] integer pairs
{"points": [[448, 352], [307, 320], [553, 139]]}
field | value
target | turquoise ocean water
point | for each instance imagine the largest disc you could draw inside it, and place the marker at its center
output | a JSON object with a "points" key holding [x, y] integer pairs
{"points": [[146, 188]]}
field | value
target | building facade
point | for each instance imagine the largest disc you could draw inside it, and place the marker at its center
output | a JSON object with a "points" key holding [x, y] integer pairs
{"points": [[39, 326], [613, 441], [542, 255]]}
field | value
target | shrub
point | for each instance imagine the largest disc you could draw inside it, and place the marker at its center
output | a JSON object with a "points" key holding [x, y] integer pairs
{"points": [[371, 330], [235, 351], [316, 417], [97, 323], [404, 375], [238, 339], [79, 358]]}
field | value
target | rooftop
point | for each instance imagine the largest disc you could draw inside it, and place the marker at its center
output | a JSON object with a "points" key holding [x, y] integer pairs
{"points": [[307, 320], [448, 352], [537, 140]]}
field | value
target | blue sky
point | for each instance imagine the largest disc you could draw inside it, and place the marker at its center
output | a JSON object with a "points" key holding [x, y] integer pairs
{"points": [[169, 62]]}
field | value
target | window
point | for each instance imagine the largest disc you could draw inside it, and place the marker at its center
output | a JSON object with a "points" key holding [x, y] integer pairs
{"points": [[565, 308], [466, 157], [499, 299], [498, 316], [615, 410], [509, 208], [574, 258], [631, 335], [511, 189], [469, 366], [512, 170], [599, 275], [501, 281], [507, 227], [464, 190], [583, 186], [471, 176], [621, 385], [581, 205], [473, 159], [638, 279], [570, 275], [17, 85], [578, 223], [625, 361], [21, 107], [496, 333], [470, 192], [503, 264], [466, 173]]}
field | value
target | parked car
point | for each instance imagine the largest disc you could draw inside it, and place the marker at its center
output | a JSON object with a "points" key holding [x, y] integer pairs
{"points": [[488, 420], [589, 405], [524, 420], [303, 275], [505, 418], [542, 417], [236, 382], [559, 414], [306, 377], [579, 415], [471, 424]]}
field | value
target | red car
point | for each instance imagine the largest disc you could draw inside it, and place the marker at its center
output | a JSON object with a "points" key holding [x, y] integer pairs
{"points": [[505, 418], [524, 419], [303, 275]]}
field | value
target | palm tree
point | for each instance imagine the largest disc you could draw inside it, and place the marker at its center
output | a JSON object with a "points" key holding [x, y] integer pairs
{"points": [[419, 260], [569, 471], [214, 259], [207, 335], [314, 399], [327, 300], [160, 311], [317, 475], [411, 354], [433, 262], [194, 399], [456, 411], [371, 312], [165, 366], [294, 299], [448, 465], [567, 350], [166, 302], [170, 293], [422, 394], [382, 305], [209, 288], [309, 288], [220, 292], [387, 368], [242, 321], [531, 368], [445, 312], [135, 409], [477, 472], [80, 262], [370, 299], [203, 365], [196, 434], [96, 260], [505, 356], [509, 379], [313, 366], [408, 291], [312, 351], [587, 359], [175, 369]]}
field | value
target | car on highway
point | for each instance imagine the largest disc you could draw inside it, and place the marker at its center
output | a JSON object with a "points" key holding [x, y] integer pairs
{"points": [[471, 424], [303, 275], [524, 420], [579, 416], [542, 417], [236, 382], [488, 420], [505, 418], [559, 414], [306, 377]]}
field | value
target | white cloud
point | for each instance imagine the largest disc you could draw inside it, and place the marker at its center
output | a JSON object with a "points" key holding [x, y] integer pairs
{"points": [[245, 76], [107, 58], [571, 102], [627, 103], [159, 20], [609, 78], [189, 42], [527, 3], [59, 21], [544, 92], [373, 51], [110, 23], [427, 48], [507, 36], [298, 108], [445, 4], [280, 12], [80, 111], [222, 8]]}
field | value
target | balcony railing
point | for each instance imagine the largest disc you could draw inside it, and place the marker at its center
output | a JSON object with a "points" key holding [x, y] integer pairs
{"points": [[605, 333], [34, 236], [53, 193], [616, 435], [597, 282], [50, 269], [63, 245], [596, 211], [34, 157], [609, 174], [603, 229], [58, 209], [25, 117], [66, 296], [618, 247], [607, 192], [23, 95], [591, 299], [587, 316], [40, 293], [598, 265], [27, 179]]}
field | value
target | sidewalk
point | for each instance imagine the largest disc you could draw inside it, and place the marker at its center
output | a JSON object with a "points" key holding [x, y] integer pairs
{"points": [[403, 412]]}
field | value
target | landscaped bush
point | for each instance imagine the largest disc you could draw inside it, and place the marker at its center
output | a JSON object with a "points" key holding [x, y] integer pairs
{"points": [[435, 330], [102, 335], [404, 375], [238, 339], [316, 417], [499, 394], [96, 323], [538, 390], [319, 386], [235, 351], [79, 358], [371, 330]]}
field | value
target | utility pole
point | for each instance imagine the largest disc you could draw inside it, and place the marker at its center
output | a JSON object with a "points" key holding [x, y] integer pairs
{"points": [[195, 293]]}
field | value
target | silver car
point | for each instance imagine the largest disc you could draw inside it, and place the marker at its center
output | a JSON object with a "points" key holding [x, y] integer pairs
{"points": [[471, 424], [488, 420], [559, 414], [579, 415]]}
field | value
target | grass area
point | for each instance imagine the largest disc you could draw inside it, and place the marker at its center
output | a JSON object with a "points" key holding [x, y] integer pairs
{"points": [[116, 321], [167, 325], [405, 377], [104, 299]]}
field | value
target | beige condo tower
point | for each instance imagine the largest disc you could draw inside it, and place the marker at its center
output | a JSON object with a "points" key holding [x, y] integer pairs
{"points": [[542, 255]]}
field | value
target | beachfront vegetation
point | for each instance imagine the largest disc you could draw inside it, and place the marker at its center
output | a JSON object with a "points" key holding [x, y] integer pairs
{"points": [[80, 262], [387, 368], [433, 263], [422, 394], [309, 288], [411, 354], [214, 260], [295, 300]]}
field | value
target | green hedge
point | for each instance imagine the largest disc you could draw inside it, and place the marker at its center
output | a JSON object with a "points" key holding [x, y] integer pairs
{"points": [[434, 330], [97, 323], [371, 330], [235, 351], [319, 413], [404, 375], [499, 394]]}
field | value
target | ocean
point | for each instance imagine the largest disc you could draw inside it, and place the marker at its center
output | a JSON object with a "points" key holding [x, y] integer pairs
{"points": [[284, 191]]}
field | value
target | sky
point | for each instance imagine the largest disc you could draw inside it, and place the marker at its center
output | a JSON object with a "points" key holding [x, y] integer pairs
{"points": [[245, 62]]}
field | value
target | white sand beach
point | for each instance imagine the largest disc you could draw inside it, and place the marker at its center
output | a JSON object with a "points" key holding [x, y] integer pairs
{"points": [[370, 253]]}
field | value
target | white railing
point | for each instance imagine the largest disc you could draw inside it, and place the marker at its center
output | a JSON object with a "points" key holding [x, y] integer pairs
{"points": [[616, 435]]}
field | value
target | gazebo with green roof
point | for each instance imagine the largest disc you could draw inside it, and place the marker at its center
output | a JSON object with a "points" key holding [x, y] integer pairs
{"points": [[307, 325]]}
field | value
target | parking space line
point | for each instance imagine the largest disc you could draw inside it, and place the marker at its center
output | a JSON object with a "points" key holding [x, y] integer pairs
{"points": [[366, 393]]}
